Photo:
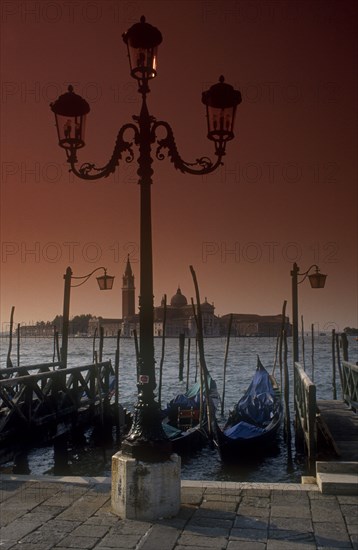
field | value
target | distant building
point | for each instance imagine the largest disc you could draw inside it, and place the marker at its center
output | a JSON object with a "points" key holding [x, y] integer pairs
{"points": [[110, 326], [40, 330], [130, 320], [180, 318], [247, 324], [128, 292]]}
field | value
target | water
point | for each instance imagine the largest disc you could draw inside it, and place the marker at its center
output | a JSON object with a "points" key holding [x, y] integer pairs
{"points": [[88, 459]]}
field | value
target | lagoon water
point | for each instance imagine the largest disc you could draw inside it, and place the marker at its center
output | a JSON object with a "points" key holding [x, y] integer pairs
{"points": [[281, 465]]}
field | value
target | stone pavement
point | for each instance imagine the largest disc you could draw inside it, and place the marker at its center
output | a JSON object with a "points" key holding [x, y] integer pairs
{"points": [[41, 513]]}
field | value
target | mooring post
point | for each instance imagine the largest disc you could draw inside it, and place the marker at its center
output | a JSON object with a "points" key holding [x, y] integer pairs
{"points": [[181, 355], [66, 317], [344, 342]]}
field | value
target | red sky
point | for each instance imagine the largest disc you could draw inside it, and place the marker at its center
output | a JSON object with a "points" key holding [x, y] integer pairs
{"points": [[287, 191]]}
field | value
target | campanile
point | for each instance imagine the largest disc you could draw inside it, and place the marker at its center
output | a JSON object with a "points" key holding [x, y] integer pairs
{"points": [[128, 292]]}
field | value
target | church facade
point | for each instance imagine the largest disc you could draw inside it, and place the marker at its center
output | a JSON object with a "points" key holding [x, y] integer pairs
{"points": [[179, 318]]}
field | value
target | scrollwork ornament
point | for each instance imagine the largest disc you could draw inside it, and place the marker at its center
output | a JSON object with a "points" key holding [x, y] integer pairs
{"points": [[168, 142], [89, 170]]}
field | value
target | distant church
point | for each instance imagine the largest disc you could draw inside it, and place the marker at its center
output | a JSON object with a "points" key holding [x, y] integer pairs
{"points": [[128, 292], [179, 315], [180, 318]]}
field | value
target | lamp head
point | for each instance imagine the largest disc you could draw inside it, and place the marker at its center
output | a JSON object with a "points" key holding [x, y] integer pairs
{"points": [[221, 101], [70, 112], [317, 279], [142, 41], [105, 282]]}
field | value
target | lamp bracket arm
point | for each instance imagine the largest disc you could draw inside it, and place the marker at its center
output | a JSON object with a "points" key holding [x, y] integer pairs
{"points": [[306, 273], [168, 142], [86, 170], [86, 277]]}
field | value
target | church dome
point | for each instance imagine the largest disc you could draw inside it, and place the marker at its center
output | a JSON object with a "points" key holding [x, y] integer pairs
{"points": [[178, 300], [206, 306]]}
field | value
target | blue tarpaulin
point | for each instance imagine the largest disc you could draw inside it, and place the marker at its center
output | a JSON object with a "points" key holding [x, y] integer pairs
{"points": [[191, 398], [257, 403], [243, 430]]}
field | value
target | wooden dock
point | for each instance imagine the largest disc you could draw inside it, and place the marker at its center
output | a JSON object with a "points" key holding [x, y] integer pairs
{"points": [[44, 401], [342, 424], [328, 427]]}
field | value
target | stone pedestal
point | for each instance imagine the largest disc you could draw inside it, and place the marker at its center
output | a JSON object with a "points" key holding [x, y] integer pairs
{"points": [[145, 490]]}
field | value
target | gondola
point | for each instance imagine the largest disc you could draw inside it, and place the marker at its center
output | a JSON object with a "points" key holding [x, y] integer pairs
{"points": [[185, 419], [254, 422]]}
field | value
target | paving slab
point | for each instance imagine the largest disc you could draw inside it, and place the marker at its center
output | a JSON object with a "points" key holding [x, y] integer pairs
{"points": [[39, 513]]}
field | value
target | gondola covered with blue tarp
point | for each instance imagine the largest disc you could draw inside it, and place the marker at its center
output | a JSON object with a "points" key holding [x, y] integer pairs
{"points": [[253, 423], [185, 420]]}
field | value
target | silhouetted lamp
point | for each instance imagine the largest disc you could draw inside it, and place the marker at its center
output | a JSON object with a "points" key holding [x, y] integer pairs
{"points": [[70, 112], [142, 41], [221, 101], [317, 279], [105, 282]]}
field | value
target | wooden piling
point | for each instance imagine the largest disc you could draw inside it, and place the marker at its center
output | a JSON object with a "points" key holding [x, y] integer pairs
{"points": [[279, 343], [99, 392], [187, 365], [196, 357], [344, 342], [339, 360], [8, 360], [136, 346], [225, 362], [303, 343], [284, 375], [163, 351], [334, 387], [18, 344], [101, 342], [312, 351], [278, 338], [116, 376], [56, 345], [286, 390], [203, 367], [94, 352], [181, 356]]}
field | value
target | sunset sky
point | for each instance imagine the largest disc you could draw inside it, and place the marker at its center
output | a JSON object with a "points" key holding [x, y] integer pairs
{"points": [[287, 191]]}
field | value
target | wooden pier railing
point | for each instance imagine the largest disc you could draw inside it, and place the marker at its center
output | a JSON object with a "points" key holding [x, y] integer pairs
{"points": [[327, 424], [350, 384], [305, 412], [46, 396]]}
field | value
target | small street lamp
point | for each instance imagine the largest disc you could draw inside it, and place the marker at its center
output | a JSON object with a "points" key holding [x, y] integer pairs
{"points": [[317, 280], [105, 282]]}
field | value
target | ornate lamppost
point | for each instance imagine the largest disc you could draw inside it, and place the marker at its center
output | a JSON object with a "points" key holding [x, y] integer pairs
{"points": [[105, 282], [146, 439], [317, 280]]}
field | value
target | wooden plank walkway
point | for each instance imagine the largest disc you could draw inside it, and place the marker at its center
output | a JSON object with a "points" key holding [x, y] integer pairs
{"points": [[342, 424]]}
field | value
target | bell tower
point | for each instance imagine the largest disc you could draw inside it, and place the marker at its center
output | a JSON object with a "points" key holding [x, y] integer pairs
{"points": [[128, 292]]}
